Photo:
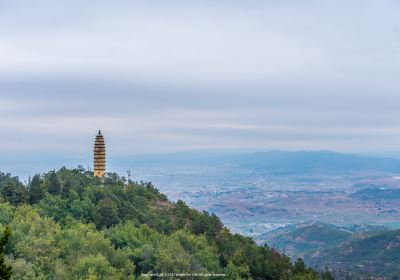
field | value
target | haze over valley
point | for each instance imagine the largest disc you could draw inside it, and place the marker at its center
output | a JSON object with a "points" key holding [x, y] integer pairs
{"points": [[258, 192]]}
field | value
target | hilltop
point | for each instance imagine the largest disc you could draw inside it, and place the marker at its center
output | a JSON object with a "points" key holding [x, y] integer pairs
{"points": [[68, 224]]}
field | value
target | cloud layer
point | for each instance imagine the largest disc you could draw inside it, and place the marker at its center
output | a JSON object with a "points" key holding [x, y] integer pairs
{"points": [[160, 77]]}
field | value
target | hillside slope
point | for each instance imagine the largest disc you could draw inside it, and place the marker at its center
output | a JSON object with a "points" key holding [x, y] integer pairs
{"points": [[376, 255], [71, 225], [353, 252], [309, 237]]}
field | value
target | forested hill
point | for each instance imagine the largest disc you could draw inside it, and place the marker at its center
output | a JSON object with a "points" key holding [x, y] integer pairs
{"points": [[68, 224]]}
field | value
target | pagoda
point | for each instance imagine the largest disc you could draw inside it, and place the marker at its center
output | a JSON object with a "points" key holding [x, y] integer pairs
{"points": [[99, 156]]}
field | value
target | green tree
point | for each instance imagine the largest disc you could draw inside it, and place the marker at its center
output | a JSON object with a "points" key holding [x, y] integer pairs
{"points": [[36, 189], [106, 213], [35, 238], [299, 266], [236, 272], [14, 191], [54, 186], [66, 188], [23, 270], [54, 206], [94, 267], [171, 257], [82, 209], [204, 257], [326, 276], [5, 270]]}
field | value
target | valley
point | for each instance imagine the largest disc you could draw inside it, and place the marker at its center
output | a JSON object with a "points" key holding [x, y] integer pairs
{"points": [[254, 203]]}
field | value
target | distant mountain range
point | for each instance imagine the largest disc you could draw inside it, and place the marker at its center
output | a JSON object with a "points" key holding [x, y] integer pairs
{"points": [[359, 251], [380, 193], [319, 161], [274, 162], [279, 162]]}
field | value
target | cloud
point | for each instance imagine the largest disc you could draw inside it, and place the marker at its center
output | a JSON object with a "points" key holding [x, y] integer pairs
{"points": [[161, 76], [201, 43]]}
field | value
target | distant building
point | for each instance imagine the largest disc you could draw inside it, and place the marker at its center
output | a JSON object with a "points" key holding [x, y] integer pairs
{"points": [[99, 156]]}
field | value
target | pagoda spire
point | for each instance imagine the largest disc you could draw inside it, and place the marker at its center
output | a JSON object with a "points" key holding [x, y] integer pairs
{"points": [[99, 156]]}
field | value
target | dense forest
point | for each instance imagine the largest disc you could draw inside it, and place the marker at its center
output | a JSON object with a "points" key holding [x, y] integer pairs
{"points": [[68, 224]]}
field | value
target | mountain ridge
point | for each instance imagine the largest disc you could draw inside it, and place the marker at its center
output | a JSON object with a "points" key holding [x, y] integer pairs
{"points": [[349, 252]]}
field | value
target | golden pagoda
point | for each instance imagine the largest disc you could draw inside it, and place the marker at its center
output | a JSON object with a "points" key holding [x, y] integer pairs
{"points": [[99, 156]]}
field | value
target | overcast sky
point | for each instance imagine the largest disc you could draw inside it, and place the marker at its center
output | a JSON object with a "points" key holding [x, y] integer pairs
{"points": [[165, 76]]}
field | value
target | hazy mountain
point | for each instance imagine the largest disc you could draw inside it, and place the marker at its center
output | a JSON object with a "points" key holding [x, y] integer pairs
{"points": [[376, 255], [381, 193], [318, 161], [272, 161], [298, 240], [276, 162], [360, 250]]}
